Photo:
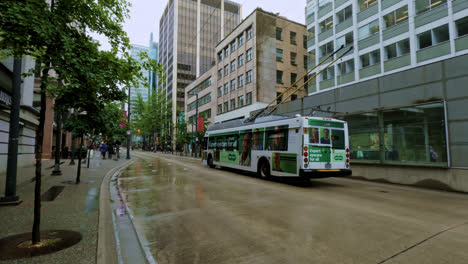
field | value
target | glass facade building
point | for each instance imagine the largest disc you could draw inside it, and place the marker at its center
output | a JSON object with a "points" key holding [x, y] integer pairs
{"points": [[183, 52], [153, 54], [141, 89]]}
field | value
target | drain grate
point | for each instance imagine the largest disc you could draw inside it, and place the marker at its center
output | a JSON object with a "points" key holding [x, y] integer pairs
{"points": [[52, 193]]}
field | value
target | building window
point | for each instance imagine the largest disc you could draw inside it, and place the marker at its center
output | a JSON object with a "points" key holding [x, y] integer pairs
{"points": [[279, 99], [293, 97], [293, 58], [220, 73], [304, 41], [311, 57], [344, 14], [397, 49], [462, 26], [233, 84], [305, 62], [226, 70], [249, 33], [326, 24], [369, 29], [220, 109], [249, 54], [240, 101], [201, 101], [220, 91], [413, 135], [240, 39], [293, 78], [240, 80], [426, 5], [233, 65], [226, 108], [292, 38], [279, 55], [233, 104], [329, 73], [240, 60], [345, 40], [226, 88], [279, 33], [220, 56], [395, 17], [364, 4], [248, 98], [233, 46], [346, 67], [324, 4], [249, 77], [226, 52], [370, 58], [326, 49], [311, 33], [433, 37], [279, 77]]}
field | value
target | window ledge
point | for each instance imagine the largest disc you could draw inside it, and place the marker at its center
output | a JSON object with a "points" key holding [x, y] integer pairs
{"points": [[369, 66], [397, 57], [438, 44], [346, 20], [430, 9], [394, 25], [371, 35]]}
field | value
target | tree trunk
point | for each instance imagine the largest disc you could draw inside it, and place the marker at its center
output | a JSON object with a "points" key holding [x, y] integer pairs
{"points": [[78, 174], [89, 154], [38, 149]]}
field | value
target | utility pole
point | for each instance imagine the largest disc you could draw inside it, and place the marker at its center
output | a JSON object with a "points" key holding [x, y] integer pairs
{"points": [[58, 137], [13, 136], [128, 124]]}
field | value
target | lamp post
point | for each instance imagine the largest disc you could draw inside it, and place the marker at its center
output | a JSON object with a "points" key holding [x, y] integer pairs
{"points": [[72, 161], [13, 135], [196, 124], [128, 124], [58, 137]]}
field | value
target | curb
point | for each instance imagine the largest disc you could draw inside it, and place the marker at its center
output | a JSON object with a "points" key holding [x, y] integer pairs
{"points": [[105, 222], [141, 238]]}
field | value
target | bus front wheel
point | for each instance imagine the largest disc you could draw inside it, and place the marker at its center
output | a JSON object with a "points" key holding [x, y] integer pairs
{"points": [[210, 162], [263, 170]]}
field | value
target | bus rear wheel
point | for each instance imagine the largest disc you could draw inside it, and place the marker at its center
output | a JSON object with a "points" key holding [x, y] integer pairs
{"points": [[210, 162], [263, 170]]}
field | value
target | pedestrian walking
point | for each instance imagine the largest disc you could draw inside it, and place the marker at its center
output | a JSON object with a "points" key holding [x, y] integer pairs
{"points": [[103, 150]]}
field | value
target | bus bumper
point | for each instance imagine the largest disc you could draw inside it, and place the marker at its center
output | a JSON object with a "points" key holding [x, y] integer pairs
{"points": [[308, 173]]}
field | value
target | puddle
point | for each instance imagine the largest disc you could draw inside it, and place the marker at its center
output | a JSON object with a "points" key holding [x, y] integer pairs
{"points": [[92, 200], [52, 193]]}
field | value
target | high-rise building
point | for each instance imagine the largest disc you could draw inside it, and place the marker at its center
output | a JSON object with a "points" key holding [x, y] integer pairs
{"points": [[402, 88], [141, 89], [189, 31], [153, 54], [255, 63]]}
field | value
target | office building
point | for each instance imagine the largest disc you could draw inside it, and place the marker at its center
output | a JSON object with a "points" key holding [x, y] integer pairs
{"points": [[188, 33], [257, 61], [402, 88], [141, 89], [153, 54]]}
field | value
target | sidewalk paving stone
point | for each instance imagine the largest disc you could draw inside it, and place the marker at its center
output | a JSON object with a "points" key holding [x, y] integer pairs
{"points": [[75, 208]]}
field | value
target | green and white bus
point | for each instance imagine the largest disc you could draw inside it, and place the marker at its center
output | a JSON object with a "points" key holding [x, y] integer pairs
{"points": [[301, 146]]}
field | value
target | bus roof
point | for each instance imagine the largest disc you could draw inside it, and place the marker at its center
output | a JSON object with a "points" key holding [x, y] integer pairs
{"points": [[241, 122]]}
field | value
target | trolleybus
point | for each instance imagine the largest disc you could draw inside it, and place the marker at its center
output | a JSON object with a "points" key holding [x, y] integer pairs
{"points": [[301, 146]]}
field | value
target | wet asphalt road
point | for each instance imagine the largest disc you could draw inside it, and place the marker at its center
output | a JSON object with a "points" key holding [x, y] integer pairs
{"points": [[189, 213]]}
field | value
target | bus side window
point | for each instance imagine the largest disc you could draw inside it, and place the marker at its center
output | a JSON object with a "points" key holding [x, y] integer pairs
{"points": [[257, 139], [277, 138]]}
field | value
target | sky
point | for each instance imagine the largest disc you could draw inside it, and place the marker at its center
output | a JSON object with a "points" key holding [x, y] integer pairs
{"points": [[145, 15]]}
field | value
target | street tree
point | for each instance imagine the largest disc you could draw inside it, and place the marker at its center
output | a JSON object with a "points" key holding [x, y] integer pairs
{"points": [[55, 35]]}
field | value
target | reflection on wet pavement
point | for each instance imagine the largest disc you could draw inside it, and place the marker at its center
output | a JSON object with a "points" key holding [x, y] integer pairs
{"points": [[192, 214]]}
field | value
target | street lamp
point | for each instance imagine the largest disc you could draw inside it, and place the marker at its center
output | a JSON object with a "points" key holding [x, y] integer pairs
{"points": [[128, 124]]}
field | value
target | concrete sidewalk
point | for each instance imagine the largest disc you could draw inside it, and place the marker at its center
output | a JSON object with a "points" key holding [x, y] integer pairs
{"points": [[75, 208]]}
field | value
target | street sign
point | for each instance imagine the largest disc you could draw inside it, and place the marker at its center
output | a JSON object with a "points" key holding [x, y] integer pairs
{"points": [[128, 132], [200, 124]]}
